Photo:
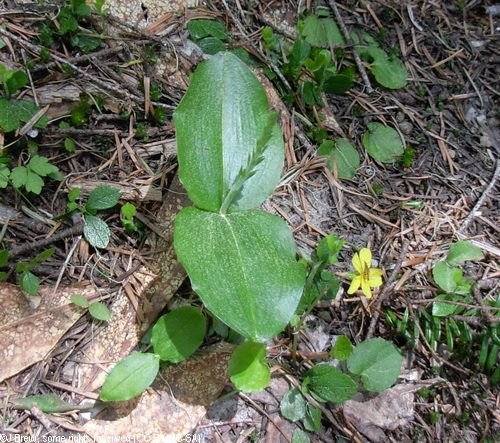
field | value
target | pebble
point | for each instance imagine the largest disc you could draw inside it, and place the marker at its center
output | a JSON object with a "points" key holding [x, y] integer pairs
{"points": [[406, 127]]}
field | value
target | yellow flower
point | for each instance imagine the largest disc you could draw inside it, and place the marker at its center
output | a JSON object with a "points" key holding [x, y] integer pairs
{"points": [[366, 277]]}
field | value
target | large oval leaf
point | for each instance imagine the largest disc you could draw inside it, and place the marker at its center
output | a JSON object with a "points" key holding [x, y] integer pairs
{"points": [[243, 267], [219, 124]]}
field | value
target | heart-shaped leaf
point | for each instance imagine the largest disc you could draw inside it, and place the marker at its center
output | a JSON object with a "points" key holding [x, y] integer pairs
{"points": [[383, 143], [243, 267], [225, 132], [462, 251], [378, 362]]}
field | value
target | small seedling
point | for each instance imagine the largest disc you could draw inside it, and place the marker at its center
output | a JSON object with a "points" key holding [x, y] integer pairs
{"points": [[96, 309]]}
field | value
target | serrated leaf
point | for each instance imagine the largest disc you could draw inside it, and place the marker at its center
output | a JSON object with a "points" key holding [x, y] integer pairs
{"points": [[293, 405], [19, 176], [30, 283], [15, 112], [16, 81], [329, 248], [446, 277], [299, 436], [130, 377], [377, 362], [341, 155], [247, 368], [34, 183], [202, 28], [312, 420], [99, 311], [329, 384], [103, 197], [383, 143], [342, 349], [96, 231], [462, 251], [322, 32], [41, 166], [48, 403], [79, 300], [178, 334], [218, 125], [243, 267], [4, 176]]}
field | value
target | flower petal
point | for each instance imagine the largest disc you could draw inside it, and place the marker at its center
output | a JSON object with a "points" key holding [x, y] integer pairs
{"points": [[365, 256], [365, 288], [375, 282], [376, 272], [355, 284], [356, 262]]}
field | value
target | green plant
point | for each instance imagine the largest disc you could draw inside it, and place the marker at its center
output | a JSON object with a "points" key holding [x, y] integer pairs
{"points": [[127, 216], [27, 280], [383, 143], [95, 230], [341, 156], [96, 309], [14, 113], [30, 177], [438, 324]]}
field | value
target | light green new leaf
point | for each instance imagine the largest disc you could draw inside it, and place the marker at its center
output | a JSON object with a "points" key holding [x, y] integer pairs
{"points": [[19, 176], [41, 166], [342, 349], [462, 251], [34, 183], [130, 377], [178, 334], [322, 32], [440, 309], [103, 197], [243, 267], [79, 300], [341, 155], [329, 384], [96, 231], [219, 123], [293, 405], [378, 362], [383, 143], [446, 277], [248, 369], [99, 311]]}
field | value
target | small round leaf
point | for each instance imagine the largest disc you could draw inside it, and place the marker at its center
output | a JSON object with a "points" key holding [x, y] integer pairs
{"points": [[96, 231], [329, 384], [383, 143]]}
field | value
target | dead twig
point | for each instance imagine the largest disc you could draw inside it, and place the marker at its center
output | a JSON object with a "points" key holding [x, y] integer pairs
{"points": [[387, 290], [349, 42]]}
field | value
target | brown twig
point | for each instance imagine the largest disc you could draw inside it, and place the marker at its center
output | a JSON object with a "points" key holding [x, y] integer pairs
{"points": [[387, 290], [74, 230], [349, 42]]}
